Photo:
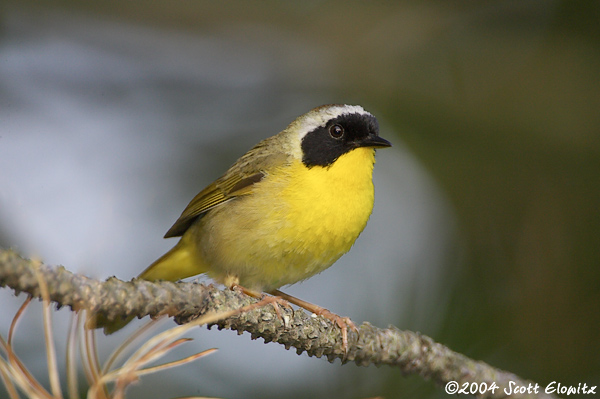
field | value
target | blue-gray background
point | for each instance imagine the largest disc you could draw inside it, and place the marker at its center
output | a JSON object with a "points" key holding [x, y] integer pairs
{"points": [[485, 233]]}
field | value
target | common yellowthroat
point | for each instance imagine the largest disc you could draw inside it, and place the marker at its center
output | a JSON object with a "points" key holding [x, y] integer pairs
{"points": [[286, 210]]}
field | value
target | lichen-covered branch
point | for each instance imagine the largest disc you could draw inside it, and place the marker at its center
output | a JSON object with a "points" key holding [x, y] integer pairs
{"points": [[411, 352]]}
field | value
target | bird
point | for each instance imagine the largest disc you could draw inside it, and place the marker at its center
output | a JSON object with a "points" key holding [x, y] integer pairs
{"points": [[286, 210]]}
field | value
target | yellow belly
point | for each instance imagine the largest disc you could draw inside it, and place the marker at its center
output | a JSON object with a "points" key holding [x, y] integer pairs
{"points": [[297, 223]]}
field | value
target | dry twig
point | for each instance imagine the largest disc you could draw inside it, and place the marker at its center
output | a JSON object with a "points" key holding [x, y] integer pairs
{"points": [[411, 352]]}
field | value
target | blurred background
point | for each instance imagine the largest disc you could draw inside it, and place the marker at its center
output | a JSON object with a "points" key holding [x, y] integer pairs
{"points": [[485, 232]]}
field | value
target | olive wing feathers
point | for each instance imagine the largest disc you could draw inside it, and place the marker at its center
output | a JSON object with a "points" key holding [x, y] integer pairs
{"points": [[239, 180]]}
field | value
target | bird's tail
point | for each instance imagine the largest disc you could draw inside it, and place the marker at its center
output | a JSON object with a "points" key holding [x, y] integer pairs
{"points": [[180, 262]]}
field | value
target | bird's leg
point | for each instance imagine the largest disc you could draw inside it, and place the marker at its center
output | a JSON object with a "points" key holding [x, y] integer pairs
{"points": [[265, 299], [283, 299], [343, 322]]}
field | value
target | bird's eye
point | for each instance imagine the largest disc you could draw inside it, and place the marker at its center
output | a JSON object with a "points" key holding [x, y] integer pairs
{"points": [[336, 131]]}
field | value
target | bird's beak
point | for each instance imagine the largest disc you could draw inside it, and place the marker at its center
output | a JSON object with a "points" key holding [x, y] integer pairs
{"points": [[374, 141]]}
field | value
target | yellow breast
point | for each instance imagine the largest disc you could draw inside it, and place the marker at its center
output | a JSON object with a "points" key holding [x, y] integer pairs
{"points": [[296, 223], [331, 205]]}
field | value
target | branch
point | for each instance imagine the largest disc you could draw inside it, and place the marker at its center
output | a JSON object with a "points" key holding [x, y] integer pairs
{"points": [[411, 352]]}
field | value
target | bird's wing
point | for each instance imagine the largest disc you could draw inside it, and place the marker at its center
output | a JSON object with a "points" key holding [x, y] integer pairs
{"points": [[237, 181]]}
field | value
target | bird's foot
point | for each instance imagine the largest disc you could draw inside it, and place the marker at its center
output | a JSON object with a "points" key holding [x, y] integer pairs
{"points": [[276, 301], [344, 323]]}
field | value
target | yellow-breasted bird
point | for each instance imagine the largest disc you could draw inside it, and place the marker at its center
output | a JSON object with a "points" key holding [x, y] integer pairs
{"points": [[283, 212]]}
